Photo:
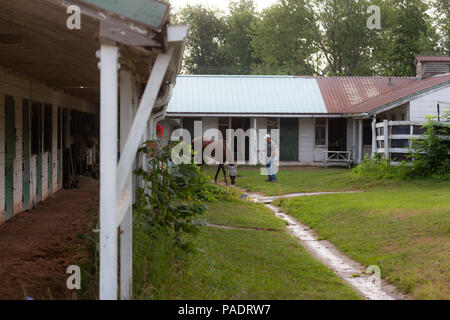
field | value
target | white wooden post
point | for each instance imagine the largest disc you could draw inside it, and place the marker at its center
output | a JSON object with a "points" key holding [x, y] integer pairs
{"points": [[386, 138], [254, 143], [360, 141], [126, 231], [354, 141], [374, 137], [108, 164]]}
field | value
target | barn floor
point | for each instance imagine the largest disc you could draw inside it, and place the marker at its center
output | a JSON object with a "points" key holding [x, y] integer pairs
{"points": [[37, 246]]}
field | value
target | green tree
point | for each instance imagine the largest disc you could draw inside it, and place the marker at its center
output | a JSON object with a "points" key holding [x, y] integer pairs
{"points": [[238, 42], [406, 32], [281, 39], [342, 37], [443, 12], [205, 52]]}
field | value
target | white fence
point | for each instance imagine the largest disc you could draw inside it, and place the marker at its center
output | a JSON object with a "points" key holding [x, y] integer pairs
{"points": [[394, 138]]}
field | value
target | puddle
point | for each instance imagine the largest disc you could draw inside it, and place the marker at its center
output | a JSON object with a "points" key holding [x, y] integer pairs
{"points": [[347, 269]]}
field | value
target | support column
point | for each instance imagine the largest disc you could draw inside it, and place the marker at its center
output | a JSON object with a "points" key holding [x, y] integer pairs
{"points": [[254, 143], [354, 140], [126, 232], [386, 138], [108, 173], [360, 141], [374, 137]]}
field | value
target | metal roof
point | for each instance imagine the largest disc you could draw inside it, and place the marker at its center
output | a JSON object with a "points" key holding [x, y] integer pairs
{"points": [[404, 93], [265, 95], [431, 58], [342, 93], [246, 94]]}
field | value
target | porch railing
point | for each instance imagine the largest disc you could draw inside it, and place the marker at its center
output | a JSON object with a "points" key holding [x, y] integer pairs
{"points": [[394, 138]]}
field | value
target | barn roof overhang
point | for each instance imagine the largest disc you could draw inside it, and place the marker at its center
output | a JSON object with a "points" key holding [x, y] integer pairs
{"points": [[37, 44]]}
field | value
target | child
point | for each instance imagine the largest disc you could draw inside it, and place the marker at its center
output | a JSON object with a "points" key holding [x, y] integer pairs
{"points": [[232, 172]]}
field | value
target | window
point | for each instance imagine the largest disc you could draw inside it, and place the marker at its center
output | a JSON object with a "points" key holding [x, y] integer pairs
{"points": [[321, 132], [272, 124]]}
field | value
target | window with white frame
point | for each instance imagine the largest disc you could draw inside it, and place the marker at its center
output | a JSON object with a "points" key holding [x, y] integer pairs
{"points": [[321, 132]]}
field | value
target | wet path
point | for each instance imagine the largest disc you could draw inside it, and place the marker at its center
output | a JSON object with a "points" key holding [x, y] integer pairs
{"points": [[368, 285]]}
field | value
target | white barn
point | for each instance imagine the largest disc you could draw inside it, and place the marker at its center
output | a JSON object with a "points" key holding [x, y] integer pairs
{"points": [[314, 114]]}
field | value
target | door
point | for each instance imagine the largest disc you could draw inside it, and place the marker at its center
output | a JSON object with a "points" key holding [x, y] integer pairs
{"points": [[48, 144], [10, 148], [26, 155], [36, 146], [59, 148], [188, 124], [337, 134], [289, 139], [244, 124]]}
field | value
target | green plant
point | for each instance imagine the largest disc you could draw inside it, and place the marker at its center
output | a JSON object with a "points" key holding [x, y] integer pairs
{"points": [[382, 168], [430, 154], [172, 197]]}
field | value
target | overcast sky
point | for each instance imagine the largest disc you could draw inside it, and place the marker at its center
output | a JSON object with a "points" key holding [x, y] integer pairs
{"points": [[221, 4]]}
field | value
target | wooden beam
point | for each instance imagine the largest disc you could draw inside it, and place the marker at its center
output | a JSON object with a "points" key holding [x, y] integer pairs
{"points": [[125, 216], [139, 126]]}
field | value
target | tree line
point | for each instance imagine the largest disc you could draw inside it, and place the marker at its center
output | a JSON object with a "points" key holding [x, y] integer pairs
{"points": [[314, 37]]}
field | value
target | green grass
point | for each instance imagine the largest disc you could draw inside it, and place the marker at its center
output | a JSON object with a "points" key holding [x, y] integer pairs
{"points": [[403, 227], [233, 264], [300, 179], [242, 214]]}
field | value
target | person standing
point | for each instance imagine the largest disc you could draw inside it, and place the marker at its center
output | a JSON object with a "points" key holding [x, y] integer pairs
{"points": [[271, 151]]}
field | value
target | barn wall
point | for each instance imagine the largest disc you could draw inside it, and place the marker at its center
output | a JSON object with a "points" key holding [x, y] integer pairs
{"points": [[21, 88], [307, 133], [2, 160], [427, 104]]}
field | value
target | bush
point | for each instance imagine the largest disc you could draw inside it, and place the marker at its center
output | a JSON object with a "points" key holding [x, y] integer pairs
{"points": [[382, 168], [173, 196], [429, 155]]}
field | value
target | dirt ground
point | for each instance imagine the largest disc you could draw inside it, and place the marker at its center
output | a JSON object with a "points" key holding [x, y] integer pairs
{"points": [[37, 246]]}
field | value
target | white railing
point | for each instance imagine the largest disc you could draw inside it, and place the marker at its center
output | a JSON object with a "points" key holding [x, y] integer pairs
{"points": [[394, 138]]}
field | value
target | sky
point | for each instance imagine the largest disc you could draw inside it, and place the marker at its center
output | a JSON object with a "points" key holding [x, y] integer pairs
{"points": [[221, 4]]}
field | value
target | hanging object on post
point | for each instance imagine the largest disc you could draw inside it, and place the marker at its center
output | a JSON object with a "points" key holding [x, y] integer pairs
{"points": [[159, 130]]}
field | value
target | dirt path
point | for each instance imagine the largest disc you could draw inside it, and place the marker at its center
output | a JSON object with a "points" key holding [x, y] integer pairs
{"points": [[346, 268], [37, 246]]}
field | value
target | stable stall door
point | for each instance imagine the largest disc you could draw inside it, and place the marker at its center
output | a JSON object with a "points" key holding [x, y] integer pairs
{"points": [[10, 146], [289, 139], [36, 146], [26, 176]]}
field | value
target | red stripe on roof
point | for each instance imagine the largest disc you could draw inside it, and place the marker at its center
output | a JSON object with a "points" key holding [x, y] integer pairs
{"points": [[342, 93], [400, 93]]}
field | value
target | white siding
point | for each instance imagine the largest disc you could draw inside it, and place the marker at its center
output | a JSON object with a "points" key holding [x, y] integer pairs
{"points": [[2, 159], [306, 140], [21, 88], [427, 104]]}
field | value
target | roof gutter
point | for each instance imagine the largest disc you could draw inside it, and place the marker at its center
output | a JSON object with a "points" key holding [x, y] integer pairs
{"points": [[253, 115]]}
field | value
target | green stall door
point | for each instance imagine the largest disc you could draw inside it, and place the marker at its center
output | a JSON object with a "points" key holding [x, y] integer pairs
{"points": [[26, 155], [10, 146], [289, 139]]}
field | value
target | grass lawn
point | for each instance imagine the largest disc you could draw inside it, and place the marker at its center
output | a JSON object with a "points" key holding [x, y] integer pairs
{"points": [[299, 179], [238, 264], [403, 227]]}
